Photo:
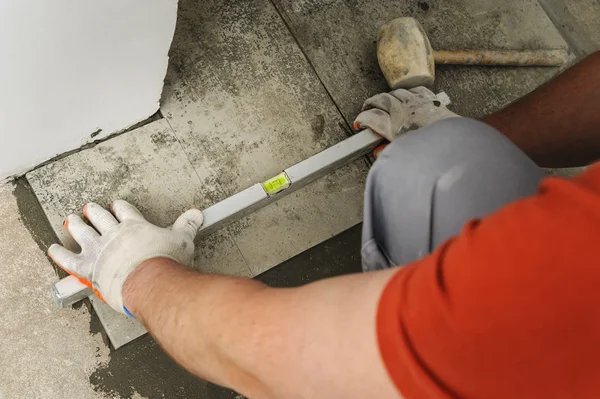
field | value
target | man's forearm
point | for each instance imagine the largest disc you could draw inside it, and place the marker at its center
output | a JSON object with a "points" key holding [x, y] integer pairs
{"points": [[170, 311], [266, 342], [558, 125]]}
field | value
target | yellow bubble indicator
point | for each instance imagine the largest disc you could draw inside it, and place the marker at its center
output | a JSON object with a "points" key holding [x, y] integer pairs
{"points": [[277, 184]]}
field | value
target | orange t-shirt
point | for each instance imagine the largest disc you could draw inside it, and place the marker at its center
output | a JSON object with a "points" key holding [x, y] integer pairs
{"points": [[509, 308]]}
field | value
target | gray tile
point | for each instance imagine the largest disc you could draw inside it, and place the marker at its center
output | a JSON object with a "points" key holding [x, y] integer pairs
{"points": [[275, 233], [245, 104], [147, 167], [577, 21], [219, 254], [566, 173], [587, 15], [339, 39]]}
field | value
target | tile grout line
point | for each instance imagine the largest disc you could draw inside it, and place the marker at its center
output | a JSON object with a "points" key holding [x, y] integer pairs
{"points": [[187, 156], [348, 128], [246, 263], [369, 160]]}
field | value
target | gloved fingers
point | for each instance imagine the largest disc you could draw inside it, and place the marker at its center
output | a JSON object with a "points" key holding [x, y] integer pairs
{"points": [[382, 101], [376, 120], [189, 223], [100, 218], [69, 262], [123, 210], [82, 233], [423, 92], [404, 96]]}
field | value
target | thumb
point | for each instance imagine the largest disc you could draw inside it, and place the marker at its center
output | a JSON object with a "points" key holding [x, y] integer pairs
{"points": [[189, 223], [377, 151], [377, 120]]}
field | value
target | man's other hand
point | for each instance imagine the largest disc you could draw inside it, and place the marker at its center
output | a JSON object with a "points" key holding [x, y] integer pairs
{"points": [[393, 114], [116, 244]]}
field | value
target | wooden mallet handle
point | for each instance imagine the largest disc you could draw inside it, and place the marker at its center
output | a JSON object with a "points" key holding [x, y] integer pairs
{"points": [[502, 57]]}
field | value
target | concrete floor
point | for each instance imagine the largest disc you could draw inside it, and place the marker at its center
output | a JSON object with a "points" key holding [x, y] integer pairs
{"points": [[46, 352], [220, 64]]}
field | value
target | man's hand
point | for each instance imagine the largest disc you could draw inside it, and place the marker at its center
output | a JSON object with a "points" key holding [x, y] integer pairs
{"points": [[116, 245], [392, 114]]}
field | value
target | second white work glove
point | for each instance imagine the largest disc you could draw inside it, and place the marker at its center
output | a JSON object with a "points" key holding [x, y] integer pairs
{"points": [[116, 245], [393, 114]]}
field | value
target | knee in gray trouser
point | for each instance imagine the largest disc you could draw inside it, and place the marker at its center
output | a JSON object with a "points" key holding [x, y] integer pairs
{"points": [[428, 183]]}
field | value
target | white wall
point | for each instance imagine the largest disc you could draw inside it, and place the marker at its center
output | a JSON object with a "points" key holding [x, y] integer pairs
{"points": [[71, 67]]}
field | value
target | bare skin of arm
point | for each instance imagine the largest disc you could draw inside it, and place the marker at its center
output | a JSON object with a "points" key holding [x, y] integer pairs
{"points": [[315, 341], [558, 125]]}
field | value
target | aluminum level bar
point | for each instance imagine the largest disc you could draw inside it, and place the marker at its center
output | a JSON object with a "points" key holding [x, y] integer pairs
{"points": [[70, 290]]}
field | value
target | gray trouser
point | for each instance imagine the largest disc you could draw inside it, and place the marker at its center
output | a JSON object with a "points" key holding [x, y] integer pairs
{"points": [[427, 184]]}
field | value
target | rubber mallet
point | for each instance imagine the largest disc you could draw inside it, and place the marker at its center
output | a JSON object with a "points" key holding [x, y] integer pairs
{"points": [[407, 59]]}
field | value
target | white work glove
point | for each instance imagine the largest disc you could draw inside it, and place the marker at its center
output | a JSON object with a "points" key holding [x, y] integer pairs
{"points": [[393, 114], [116, 245]]}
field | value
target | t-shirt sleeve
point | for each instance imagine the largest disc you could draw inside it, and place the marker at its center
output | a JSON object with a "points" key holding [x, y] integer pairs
{"points": [[508, 308]]}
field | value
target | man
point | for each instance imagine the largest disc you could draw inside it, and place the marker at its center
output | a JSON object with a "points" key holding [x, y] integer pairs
{"points": [[504, 307]]}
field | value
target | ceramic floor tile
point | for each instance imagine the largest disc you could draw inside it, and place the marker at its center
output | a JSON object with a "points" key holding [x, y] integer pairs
{"points": [[577, 21], [274, 234], [148, 168], [587, 16], [219, 254]]}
